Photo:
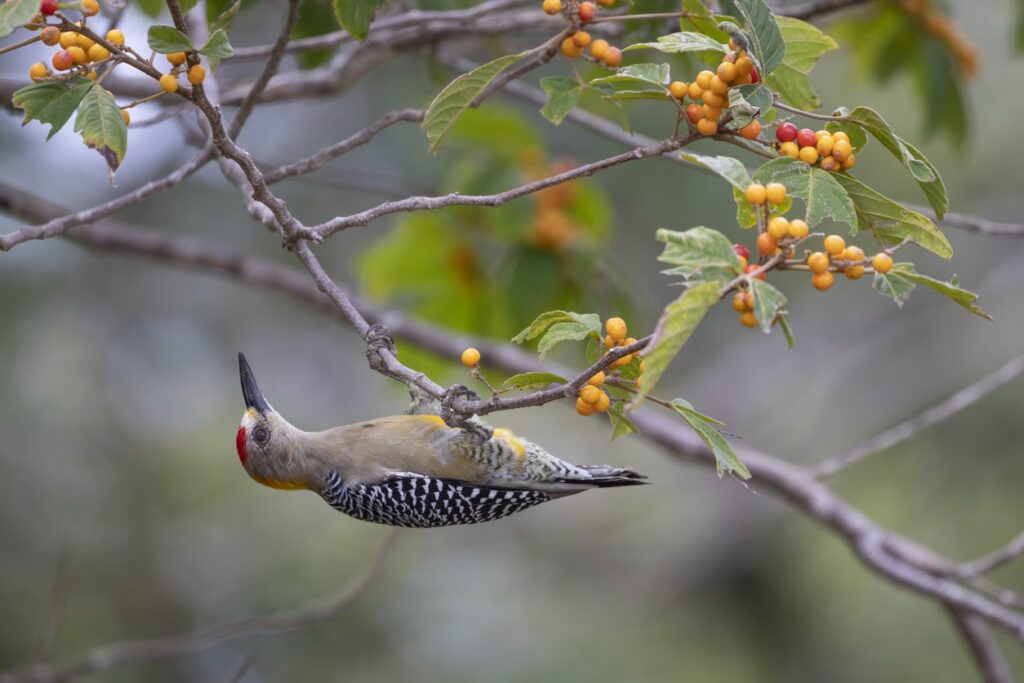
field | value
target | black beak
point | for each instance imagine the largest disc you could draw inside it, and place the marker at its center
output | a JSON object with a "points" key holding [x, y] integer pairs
{"points": [[250, 390]]}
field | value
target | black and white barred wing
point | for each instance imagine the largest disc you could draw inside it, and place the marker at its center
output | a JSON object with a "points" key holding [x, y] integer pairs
{"points": [[407, 499]]}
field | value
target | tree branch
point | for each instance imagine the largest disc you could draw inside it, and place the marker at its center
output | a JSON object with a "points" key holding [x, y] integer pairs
{"points": [[996, 558], [982, 646]]}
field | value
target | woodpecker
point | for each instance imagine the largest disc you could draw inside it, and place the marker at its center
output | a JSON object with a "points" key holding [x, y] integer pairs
{"points": [[409, 470]]}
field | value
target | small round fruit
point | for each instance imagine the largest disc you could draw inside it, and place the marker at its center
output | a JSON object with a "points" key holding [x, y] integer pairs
{"points": [[470, 357], [854, 254], [584, 408], [830, 164], [808, 155], [741, 250], [196, 74], [62, 60], [822, 281], [798, 229], [789, 149], [756, 194], [739, 303], [825, 145], [834, 245], [778, 227], [588, 11], [766, 244], [570, 49], [90, 8], [48, 7], [552, 6], [604, 402], [752, 130], [840, 135], [597, 48], [127, 117], [754, 76], [848, 162], [744, 65], [776, 193], [589, 394], [854, 272], [78, 55], [743, 262], [169, 83], [786, 132], [704, 79], [38, 71], [97, 53], [115, 37], [176, 58], [727, 72], [751, 268], [596, 379], [581, 38], [67, 39], [695, 91], [609, 342], [748, 319], [612, 57], [710, 113], [805, 137], [712, 99], [84, 42], [818, 262], [50, 35], [616, 329], [882, 262], [841, 149], [693, 113], [707, 128], [623, 360], [718, 86], [678, 89], [91, 74]]}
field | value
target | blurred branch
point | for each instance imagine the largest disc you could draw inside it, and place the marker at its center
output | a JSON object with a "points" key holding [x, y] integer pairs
{"points": [[812, 10], [190, 642], [58, 610], [981, 226], [983, 647], [959, 401], [997, 558]]}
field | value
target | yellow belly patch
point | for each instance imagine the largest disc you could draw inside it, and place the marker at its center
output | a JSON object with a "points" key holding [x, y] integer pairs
{"points": [[514, 443], [278, 484], [433, 419]]}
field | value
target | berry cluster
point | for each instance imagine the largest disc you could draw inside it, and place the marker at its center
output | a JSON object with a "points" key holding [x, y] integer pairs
{"points": [[709, 92], [78, 54], [169, 81], [574, 45], [592, 398], [838, 257], [831, 151]]}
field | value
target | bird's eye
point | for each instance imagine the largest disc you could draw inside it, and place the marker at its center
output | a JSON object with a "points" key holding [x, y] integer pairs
{"points": [[261, 435]]}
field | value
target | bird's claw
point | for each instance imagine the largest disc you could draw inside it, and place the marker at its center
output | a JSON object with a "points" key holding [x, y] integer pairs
{"points": [[378, 338], [458, 419]]}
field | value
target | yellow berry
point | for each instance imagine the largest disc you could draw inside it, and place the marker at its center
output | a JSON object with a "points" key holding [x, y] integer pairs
{"points": [[854, 272], [789, 149], [798, 229], [712, 99], [470, 357], [718, 86], [169, 83], [834, 245], [695, 91], [38, 71], [727, 72], [848, 162], [749, 319], [570, 49], [776, 193], [853, 253], [552, 6], [678, 89], [176, 58], [756, 194], [819, 134], [822, 281], [616, 329], [840, 135], [49, 35], [596, 380], [126, 116], [97, 53], [841, 150], [581, 38], [710, 113], [744, 65], [84, 42], [115, 37], [882, 262], [584, 408], [818, 262], [90, 7], [589, 394], [78, 55], [739, 304], [196, 74], [598, 47], [808, 155], [825, 145], [704, 79], [778, 227], [91, 75], [67, 39], [743, 262], [612, 57], [603, 402], [707, 128]]}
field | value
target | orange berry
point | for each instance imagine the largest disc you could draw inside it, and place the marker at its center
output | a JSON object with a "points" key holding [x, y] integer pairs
{"points": [[825, 145], [91, 75], [830, 164], [470, 357], [588, 11], [848, 162], [756, 194], [798, 229], [744, 66], [196, 74], [727, 72], [581, 38], [90, 7], [115, 37], [598, 47], [612, 57], [570, 49], [853, 253], [596, 379], [840, 135], [719, 86], [38, 71], [50, 35], [606, 3], [712, 99], [589, 394], [126, 116], [766, 244], [706, 127], [78, 55], [695, 91], [822, 281], [176, 58], [841, 149], [584, 408], [693, 113], [881, 262], [678, 89], [739, 304], [169, 83], [778, 227], [704, 79], [604, 402], [808, 155], [752, 130], [748, 319], [628, 341], [67, 39], [818, 262], [775, 193], [552, 6], [62, 60], [854, 272], [789, 149], [751, 268], [616, 329], [834, 245], [710, 113]]}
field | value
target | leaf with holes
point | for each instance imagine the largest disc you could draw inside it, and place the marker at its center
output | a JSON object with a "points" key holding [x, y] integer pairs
{"points": [[804, 45], [965, 298], [456, 97], [563, 95], [678, 321], [699, 254], [15, 13], [726, 460], [768, 301], [51, 102], [167, 39], [100, 124], [355, 15], [531, 380], [767, 43], [891, 222]]}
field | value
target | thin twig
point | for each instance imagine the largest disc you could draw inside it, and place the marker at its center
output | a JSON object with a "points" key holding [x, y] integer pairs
{"points": [[983, 647], [997, 558]]}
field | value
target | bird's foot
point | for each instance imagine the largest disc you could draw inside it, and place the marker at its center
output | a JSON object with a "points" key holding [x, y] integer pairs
{"points": [[459, 420]]}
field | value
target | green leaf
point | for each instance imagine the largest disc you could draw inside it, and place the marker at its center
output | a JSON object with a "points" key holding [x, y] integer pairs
{"points": [[456, 97], [729, 168], [167, 39], [218, 47], [682, 42], [787, 331], [767, 44], [222, 13], [858, 136], [316, 18], [961, 296], [891, 222], [566, 331], [894, 286], [768, 301], [563, 95], [825, 196], [555, 327], [699, 17], [100, 124], [699, 254], [920, 168], [51, 102], [656, 75], [678, 321], [187, 5], [355, 15], [152, 8], [804, 45], [726, 460], [531, 380], [15, 13]]}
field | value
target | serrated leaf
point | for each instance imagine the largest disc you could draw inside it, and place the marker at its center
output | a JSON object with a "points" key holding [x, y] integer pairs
{"points": [[726, 460], [766, 42], [100, 124], [355, 15], [222, 14], [167, 39], [894, 286], [15, 13], [825, 196], [787, 331], [564, 331], [218, 47], [456, 97], [51, 102], [922, 170], [656, 75], [531, 380], [699, 253], [677, 322], [682, 42], [951, 289], [891, 222], [543, 322], [768, 301], [804, 45], [728, 168], [563, 95]]}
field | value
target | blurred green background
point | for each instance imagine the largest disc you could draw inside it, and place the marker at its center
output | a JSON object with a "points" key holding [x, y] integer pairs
{"points": [[119, 399]]}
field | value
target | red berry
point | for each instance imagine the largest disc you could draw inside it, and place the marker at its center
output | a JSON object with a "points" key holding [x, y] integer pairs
{"points": [[806, 138], [588, 11], [49, 7], [751, 268], [754, 76], [786, 132], [741, 250]]}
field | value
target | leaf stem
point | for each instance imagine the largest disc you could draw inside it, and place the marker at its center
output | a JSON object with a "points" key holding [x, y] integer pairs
{"points": [[14, 46], [809, 114]]}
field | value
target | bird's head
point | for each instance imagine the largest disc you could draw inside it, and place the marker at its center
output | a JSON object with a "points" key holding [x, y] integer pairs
{"points": [[265, 441]]}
